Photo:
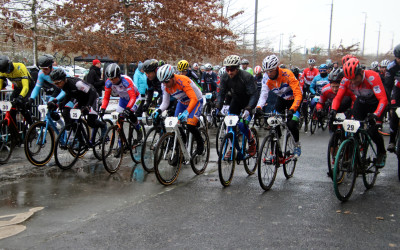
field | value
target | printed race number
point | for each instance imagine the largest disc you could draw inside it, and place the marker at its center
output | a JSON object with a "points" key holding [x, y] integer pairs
{"points": [[231, 120], [171, 122], [114, 115], [75, 113], [274, 121], [351, 125], [5, 106]]}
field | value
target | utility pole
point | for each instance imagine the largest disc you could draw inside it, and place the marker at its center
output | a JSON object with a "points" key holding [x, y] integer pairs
{"points": [[280, 44], [255, 35], [379, 36], [365, 28], [330, 31]]}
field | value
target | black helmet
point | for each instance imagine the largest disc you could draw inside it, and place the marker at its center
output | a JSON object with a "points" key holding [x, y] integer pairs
{"points": [[396, 51], [46, 61], [296, 72], [58, 74], [113, 71], [336, 75], [6, 65], [161, 63], [150, 65]]}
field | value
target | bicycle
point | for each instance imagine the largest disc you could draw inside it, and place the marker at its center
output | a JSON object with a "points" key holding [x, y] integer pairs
{"points": [[172, 149], [233, 141], [337, 137], [315, 120], [208, 110], [356, 155], [115, 143], [73, 141], [221, 129], [271, 155]]}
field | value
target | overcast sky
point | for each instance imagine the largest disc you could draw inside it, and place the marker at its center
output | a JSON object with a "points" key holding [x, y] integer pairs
{"points": [[309, 20]]}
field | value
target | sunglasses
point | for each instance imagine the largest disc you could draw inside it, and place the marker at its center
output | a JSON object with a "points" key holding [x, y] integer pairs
{"points": [[57, 82], [44, 68], [231, 69]]}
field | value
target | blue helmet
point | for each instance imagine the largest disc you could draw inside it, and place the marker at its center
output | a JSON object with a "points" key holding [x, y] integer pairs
{"points": [[323, 66]]}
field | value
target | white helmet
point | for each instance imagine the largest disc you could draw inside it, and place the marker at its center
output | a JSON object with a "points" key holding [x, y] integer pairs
{"points": [[270, 62], [374, 65], [208, 66], [221, 71], [165, 72], [232, 60], [384, 63]]}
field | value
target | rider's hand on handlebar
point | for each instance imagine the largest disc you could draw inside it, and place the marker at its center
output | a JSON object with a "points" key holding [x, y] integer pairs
{"points": [[102, 112], [52, 106], [372, 118], [85, 110], [290, 114], [183, 116]]}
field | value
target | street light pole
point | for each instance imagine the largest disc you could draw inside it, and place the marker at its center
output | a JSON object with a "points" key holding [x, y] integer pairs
{"points": [[255, 35], [379, 36], [365, 27], [330, 31]]}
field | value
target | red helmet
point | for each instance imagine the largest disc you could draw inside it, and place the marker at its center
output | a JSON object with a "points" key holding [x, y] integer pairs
{"points": [[351, 68], [257, 70], [346, 58]]}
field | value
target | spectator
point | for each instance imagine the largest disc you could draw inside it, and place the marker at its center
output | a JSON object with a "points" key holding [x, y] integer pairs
{"points": [[140, 79], [94, 77]]}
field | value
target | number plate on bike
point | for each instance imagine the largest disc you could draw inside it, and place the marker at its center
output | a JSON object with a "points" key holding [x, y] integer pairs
{"points": [[225, 110], [231, 120], [42, 109], [274, 121], [351, 125], [114, 115], [398, 112], [208, 95], [5, 106], [171, 122], [75, 113]]}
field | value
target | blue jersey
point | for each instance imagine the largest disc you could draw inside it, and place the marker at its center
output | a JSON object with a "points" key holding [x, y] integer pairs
{"points": [[44, 81], [317, 84]]}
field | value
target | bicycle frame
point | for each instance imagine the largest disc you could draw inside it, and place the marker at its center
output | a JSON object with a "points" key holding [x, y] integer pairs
{"points": [[240, 149], [274, 131], [178, 136]]}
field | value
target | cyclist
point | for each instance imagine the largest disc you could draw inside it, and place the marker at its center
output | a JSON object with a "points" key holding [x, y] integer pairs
{"points": [[150, 67], [23, 83], [284, 84], [374, 66], [258, 78], [196, 70], [245, 66], [243, 91], [122, 86], [183, 68], [308, 76], [392, 78], [382, 69], [370, 103], [85, 96], [190, 101], [318, 83], [209, 79]]}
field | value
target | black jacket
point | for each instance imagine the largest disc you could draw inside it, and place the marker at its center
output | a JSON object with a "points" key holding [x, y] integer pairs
{"points": [[94, 77], [83, 93]]}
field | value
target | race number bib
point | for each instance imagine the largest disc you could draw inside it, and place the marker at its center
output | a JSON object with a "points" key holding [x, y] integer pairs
{"points": [[351, 125], [171, 122], [5, 106], [114, 115], [231, 120], [274, 121], [75, 113], [42, 109]]}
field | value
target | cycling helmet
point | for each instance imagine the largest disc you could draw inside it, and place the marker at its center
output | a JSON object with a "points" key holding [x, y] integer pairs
{"points": [[221, 71], [323, 66], [58, 74], [374, 65], [346, 58], [396, 51], [330, 65], [161, 63], [217, 67], [202, 67], [150, 65], [270, 62], [351, 68], [257, 70], [282, 66], [384, 63], [245, 61], [336, 75], [6, 65], [296, 72], [46, 61], [113, 71], [232, 60], [311, 61], [195, 65], [165, 72], [208, 66], [183, 65]]}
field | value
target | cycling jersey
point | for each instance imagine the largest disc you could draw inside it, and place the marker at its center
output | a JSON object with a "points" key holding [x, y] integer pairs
{"points": [[327, 95], [20, 77], [250, 70], [392, 73], [84, 93], [370, 91], [258, 81], [317, 84], [285, 86], [125, 89], [209, 81], [184, 90], [44, 81], [309, 75]]}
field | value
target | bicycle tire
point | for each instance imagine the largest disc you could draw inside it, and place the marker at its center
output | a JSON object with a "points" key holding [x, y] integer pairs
{"points": [[334, 143], [31, 147], [148, 148], [98, 141], [220, 135], [313, 121], [199, 162], [290, 160], [135, 148], [370, 171], [112, 149], [268, 162], [251, 163], [63, 149], [7, 142], [345, 166], [225, 147], [166, 169]]}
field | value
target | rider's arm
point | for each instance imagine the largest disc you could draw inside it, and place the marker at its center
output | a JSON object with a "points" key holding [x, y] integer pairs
{"points": [[298, 96], [187, 88], [107, 94], [214, 81], [264, 92], [165, 100], [251, 90], [312, 86], [379, 92], [25, 80], [133, 93], [2, 79]]}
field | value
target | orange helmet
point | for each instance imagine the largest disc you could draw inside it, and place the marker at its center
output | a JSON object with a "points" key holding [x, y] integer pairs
{"points": [[346, 58], [351, 68]]}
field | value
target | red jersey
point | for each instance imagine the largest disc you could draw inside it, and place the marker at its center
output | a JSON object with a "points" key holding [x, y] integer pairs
{"points": [[309, 75], [328, 95]]}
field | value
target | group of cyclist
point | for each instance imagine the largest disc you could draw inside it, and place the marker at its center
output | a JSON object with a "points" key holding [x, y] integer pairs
{"points": [[365, 92]]}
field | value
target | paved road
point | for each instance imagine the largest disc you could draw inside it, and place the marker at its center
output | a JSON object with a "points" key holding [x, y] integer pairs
{"points": [[86, 208]]}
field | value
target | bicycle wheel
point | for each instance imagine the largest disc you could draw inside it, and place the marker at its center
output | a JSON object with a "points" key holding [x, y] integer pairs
{"points": [[199, 162], [333, 146], [112, 149], [136, 144], [250, 164], [368, 164], [226, 160], [268, 162], [6, 142], [168, 159], [313, 121], [289, 163], [98, 140], [148, 148], [221, 131], [345, 170], [324, 122], [39, 144], [63, 151]]}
